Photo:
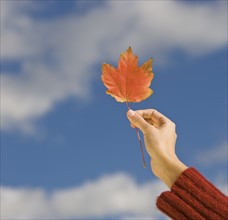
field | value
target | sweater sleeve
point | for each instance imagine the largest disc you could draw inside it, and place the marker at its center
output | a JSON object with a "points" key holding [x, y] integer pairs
{"points": [[193, 197]]}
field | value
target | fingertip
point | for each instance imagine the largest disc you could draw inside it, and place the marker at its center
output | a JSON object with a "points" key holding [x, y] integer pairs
{"points": [[130, 113]]}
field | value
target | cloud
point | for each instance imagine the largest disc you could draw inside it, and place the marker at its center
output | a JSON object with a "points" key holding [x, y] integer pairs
{"points": [[116, 195], [214, 156], [222, 183], [211, 157], [113, 195], [57, 55]]}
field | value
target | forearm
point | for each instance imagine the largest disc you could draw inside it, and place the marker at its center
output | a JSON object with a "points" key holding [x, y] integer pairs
{"points": [[193, 197]]}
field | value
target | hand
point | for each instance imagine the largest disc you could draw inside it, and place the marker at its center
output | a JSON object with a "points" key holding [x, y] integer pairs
{"points": [[160, 139]]}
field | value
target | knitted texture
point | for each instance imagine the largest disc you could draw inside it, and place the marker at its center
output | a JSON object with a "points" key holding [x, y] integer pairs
{"points": [[193, 197]]}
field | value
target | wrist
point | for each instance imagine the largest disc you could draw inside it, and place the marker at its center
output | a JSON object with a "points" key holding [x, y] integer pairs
{"points": [[172, 170]]}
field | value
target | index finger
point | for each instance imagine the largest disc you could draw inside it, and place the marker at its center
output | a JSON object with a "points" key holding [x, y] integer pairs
{"points": [[154, 115]]}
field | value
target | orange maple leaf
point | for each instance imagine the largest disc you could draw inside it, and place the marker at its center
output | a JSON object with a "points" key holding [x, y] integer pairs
{"points": [[128, 82]]}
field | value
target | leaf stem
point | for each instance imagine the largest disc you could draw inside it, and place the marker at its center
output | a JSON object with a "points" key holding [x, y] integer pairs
{"points": [[139, 139]]}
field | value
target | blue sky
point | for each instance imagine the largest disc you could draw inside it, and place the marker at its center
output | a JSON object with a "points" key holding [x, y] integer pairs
{"points": [[67, 150]]}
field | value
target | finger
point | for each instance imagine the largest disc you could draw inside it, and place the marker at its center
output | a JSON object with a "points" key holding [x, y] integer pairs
{"points": [[152, 122], [132, 125], [138, 121], [154, 115]]}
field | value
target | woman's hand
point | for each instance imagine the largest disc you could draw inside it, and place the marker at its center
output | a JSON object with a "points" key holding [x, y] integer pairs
{"points": [[160, 139]]}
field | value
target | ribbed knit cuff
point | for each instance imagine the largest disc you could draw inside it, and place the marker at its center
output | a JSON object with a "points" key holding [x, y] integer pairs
{"points": [[193, 197]]}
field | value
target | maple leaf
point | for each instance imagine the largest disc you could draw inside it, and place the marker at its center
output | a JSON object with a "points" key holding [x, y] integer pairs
{"points": [[128, 82]]}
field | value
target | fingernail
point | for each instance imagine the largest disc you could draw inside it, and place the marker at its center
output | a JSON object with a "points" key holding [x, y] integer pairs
{"points": [[130, 113]]}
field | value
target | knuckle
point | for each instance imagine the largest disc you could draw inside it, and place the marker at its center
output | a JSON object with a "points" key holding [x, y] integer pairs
{"points": [[153, 111], [173, 125]]}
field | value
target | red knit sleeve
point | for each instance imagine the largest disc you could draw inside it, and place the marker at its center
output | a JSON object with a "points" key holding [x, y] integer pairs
{"points": [[193, 197]]}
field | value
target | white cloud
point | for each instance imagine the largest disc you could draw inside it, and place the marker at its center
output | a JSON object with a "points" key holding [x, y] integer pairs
{"points": [[213, 156], [114, 195], [57, 56]]}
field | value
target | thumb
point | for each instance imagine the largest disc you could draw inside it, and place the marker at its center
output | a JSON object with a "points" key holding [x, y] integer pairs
{"points": [[138, 121]]}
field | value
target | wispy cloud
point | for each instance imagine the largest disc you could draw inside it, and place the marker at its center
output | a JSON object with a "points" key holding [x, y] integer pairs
{"points": [[57, 55], [113, 195], [213, 156]]}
